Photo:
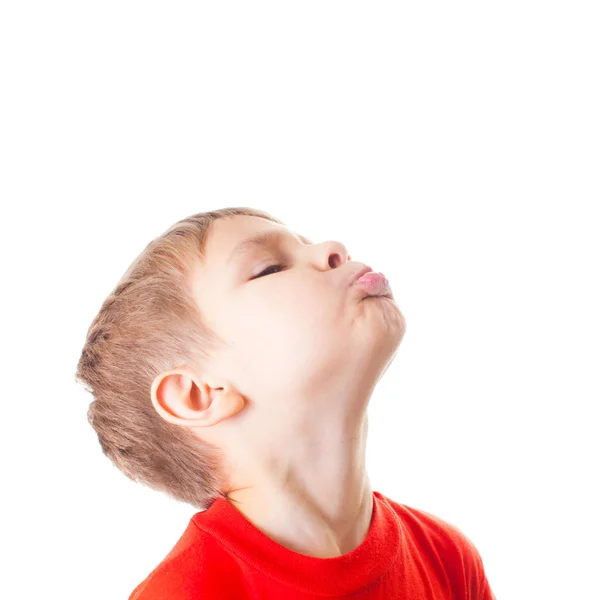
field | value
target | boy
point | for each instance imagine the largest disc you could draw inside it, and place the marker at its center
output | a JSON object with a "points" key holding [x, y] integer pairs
{"points": [[232, 368]]}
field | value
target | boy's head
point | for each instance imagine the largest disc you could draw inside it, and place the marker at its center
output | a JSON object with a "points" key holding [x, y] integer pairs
{"points": [[214, 352]]}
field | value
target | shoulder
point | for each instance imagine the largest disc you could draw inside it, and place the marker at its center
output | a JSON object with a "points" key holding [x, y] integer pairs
{"points": [[446, 546], [188, 573]]}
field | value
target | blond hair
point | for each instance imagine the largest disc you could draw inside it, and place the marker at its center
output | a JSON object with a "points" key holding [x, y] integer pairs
{"points": [[148, 324]]}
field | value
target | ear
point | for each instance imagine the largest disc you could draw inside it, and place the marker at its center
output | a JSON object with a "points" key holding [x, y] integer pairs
{"points": [[179, 396]]}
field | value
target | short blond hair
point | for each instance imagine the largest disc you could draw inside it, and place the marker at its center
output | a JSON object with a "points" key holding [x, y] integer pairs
{"points": [[149, 324]]}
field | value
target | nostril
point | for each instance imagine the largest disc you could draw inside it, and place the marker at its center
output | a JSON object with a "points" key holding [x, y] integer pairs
{"points": [[333, 263]]}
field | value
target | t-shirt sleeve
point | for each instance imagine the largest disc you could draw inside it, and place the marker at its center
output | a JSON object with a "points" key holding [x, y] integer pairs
{"points": [[479, 585]]}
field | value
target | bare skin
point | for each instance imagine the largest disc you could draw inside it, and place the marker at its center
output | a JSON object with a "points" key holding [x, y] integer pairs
{"points": [[287, 399]]}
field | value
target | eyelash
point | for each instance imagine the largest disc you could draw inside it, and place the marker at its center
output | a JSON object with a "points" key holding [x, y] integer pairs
{"points": [[276, 266]]}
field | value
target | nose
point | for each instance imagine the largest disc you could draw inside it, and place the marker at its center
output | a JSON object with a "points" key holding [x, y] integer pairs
{"points": [[335, 253]]}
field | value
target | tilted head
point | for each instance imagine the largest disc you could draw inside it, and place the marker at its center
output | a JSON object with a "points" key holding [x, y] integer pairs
{"points": [[231, 332]]}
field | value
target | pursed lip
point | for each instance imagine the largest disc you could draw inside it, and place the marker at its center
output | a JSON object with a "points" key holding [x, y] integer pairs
{"points": [[360, 273]]}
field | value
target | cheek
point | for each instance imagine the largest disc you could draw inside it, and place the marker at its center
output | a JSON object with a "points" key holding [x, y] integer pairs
{"points": [[294, 311], [295, 335], [288, 316], [283, 341]]}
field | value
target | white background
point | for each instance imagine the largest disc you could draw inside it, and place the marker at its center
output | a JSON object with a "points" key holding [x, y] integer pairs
{"points": [[455, 146]]}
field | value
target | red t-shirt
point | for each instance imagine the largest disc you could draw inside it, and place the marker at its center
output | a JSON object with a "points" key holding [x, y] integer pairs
{"points": [[407, 554]]}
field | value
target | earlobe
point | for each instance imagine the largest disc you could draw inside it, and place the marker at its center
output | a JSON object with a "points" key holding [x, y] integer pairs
{"points": [[233, 403]]}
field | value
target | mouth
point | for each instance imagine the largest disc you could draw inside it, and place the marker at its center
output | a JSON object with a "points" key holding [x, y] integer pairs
{"points": [[374, 285]]}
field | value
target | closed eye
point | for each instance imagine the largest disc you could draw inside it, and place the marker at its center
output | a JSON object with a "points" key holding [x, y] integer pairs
{"points": [[277, 266]]}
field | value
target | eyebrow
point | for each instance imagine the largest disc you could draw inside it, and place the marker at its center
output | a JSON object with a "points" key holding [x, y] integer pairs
{"points": [[264, 239]]}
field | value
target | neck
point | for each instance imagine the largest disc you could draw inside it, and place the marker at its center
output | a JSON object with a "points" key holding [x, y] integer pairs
{"points": [[316, 499]]}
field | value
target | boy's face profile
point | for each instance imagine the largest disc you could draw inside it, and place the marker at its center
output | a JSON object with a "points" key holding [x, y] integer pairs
{"points": [[303, 353], [296, 330]]}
